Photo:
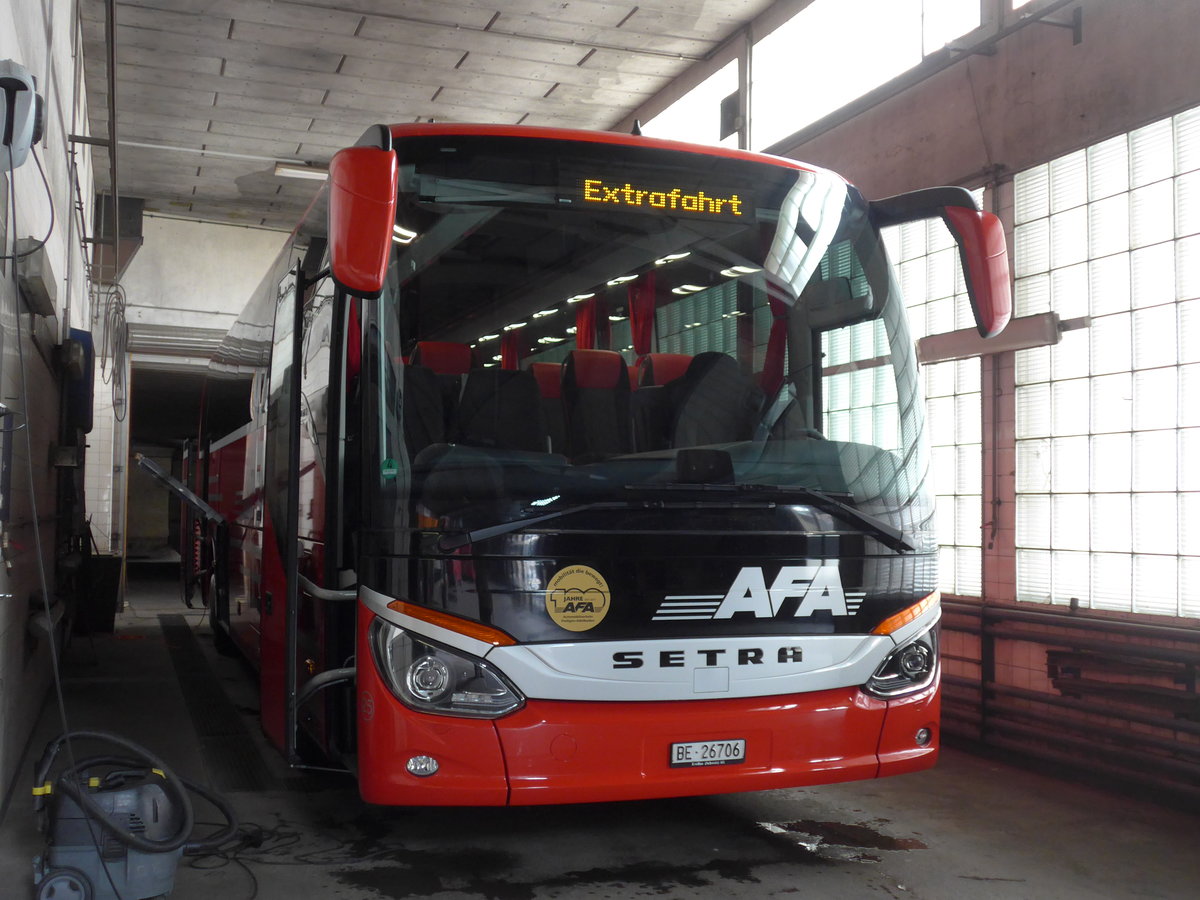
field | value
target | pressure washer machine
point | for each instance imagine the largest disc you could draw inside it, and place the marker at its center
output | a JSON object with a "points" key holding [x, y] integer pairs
{"points": [[116, 826]]}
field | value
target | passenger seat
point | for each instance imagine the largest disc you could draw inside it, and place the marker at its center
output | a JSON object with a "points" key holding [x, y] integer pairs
{"points": [[595, 391], [651, 407], [549, 381], [501, 409], [714, 402]]}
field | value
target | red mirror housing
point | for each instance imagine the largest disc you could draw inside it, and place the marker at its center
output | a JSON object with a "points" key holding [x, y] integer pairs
{"points": [[981, 246], [362, 212], [984, 253]]}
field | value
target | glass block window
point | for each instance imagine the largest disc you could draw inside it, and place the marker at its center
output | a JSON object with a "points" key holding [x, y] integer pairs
{"points": [[1108, 423], [699, 322], [860, 395], [931, 282]]}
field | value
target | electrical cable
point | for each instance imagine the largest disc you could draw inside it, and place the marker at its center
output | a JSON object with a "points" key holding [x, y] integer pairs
{"points": [[49, 198], [114, 348]]}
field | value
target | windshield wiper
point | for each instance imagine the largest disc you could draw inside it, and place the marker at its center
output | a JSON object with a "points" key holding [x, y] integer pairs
{"points": [[454, 541], [886, 534], [461, 539]]}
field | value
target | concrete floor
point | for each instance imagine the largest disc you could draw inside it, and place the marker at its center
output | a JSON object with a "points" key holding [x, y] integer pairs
{"points": [[971, 829]]}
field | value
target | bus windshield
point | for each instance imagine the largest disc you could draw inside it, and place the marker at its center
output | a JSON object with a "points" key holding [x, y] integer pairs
{"points": [[580, 335]]}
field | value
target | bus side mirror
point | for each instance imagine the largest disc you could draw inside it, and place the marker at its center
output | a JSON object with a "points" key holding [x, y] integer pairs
{"points": [[984, 255], [981, 246], [362, 212]]}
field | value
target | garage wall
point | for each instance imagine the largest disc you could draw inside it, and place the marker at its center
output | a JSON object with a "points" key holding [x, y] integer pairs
{"points": [[1076, 678], [40, 36], [1039, 96]]}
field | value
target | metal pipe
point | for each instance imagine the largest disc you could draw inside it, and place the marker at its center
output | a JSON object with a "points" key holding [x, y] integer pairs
{"points": [[292, 518], [1087, 750], [988, 612], [1184, 725], [1173, 789], [110, 46], [1139, 651], [324, 680], [326, 594], [1128, 739]]}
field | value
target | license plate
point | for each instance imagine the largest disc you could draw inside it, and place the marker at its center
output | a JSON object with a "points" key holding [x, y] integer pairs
{"points": [[708, 753]]}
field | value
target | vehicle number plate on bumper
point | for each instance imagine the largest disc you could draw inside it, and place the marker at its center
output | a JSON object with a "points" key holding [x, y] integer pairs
{"points": [[708, 753]]}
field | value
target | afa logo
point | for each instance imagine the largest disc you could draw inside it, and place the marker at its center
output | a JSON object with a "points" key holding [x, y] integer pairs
{"points": [[577, 598], [814, 587]]}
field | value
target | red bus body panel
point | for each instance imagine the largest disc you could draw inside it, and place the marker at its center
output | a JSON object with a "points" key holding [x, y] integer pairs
{"points": [[552, 752]]}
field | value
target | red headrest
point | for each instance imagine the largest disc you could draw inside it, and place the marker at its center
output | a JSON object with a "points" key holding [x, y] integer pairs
{"points": [[598, 369], [549, 378], [659, 368], [633, 377], [443, 357]]}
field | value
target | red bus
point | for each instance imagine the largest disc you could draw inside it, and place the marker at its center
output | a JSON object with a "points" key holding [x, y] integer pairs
{"points": [[586, 466]]}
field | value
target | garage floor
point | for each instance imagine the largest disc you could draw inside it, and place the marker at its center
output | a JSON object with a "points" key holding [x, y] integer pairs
{"points": [[971, 828]]}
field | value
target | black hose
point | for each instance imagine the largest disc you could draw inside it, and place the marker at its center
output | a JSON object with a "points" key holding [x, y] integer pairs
{"points": [[175, 786]]}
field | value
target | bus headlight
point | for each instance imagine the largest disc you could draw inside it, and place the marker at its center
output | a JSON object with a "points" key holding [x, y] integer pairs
{"points": [[433, 678], [908, 668]]}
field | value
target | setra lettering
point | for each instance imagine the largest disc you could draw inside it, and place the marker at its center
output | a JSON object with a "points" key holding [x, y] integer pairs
{"points": [[677, 659]]}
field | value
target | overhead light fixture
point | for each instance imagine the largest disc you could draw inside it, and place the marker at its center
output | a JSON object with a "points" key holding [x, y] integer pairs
{"points": [[671, 257], [685, 289], [580, 297], [402, 235], [550, 339], [487, 337], [514, 326], [544, 313], [616, 318], [736, 271], [299, 170], [621, 279]]}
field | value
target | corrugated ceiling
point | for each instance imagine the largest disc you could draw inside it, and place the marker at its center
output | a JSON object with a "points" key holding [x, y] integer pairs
{"points": [[209, 95]]}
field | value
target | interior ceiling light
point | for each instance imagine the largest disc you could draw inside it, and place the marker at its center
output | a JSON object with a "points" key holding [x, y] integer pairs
{"points": [[550, 339], [738, 271], [578, 298], [616, 318], [571, 330], [671, 257], [621, 279], [544, 313], [487, 337], [514, 326], [298, 170], [497, 358], [685, 289], [402, 235]]}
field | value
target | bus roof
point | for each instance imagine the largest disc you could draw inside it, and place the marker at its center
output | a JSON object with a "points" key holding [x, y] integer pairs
{"points": [[423, 129]]}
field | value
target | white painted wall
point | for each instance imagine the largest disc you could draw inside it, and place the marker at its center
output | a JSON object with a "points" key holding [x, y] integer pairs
{"points": [[195, 274], [40, 35], [192, 278]]}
